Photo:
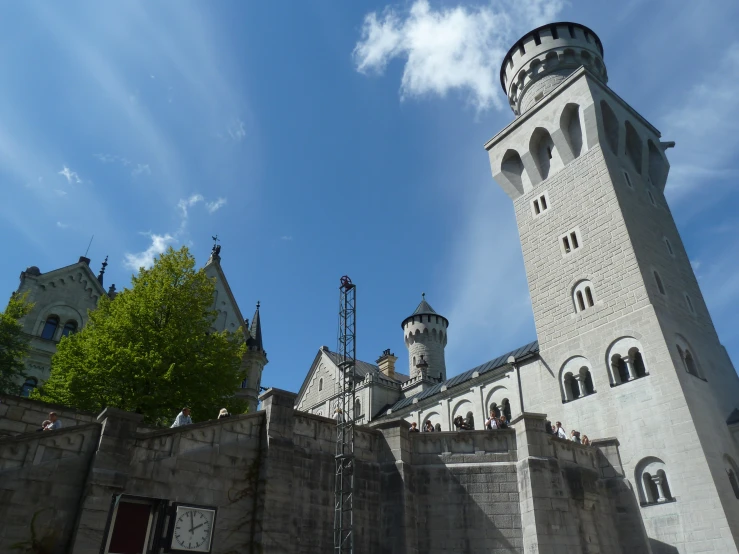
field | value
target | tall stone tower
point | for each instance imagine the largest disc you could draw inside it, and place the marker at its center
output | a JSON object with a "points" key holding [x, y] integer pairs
{"points": [[425, 334], [627, 345]]}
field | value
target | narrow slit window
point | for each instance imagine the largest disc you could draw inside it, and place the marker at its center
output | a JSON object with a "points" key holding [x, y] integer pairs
{"points": [[628, 180], [536, 207], [566, 243], [580, 301], [669, 247], [543, 202], [658, 280], [651, 198], [573, 237], [690, 304], [589, 296]]}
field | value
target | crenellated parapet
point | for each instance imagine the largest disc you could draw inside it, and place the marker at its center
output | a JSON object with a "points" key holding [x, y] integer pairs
{"points": [[544, 57]]}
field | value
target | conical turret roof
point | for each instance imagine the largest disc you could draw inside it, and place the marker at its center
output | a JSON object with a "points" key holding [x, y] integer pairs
{"points": [[423, 308], [255, 330]]}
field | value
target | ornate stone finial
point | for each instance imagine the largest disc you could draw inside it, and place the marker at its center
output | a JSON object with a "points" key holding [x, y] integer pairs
{"points": [[102, 270], [258, 304], [423, 296]]}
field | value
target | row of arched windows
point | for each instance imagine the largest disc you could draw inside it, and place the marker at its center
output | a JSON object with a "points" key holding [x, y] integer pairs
{"points": [[625, 360], [52, 324]]}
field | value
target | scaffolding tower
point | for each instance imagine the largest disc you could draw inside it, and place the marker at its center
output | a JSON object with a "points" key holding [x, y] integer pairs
{"points": [[344, 415]]}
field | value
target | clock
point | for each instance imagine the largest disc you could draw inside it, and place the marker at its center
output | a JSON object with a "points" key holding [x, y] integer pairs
{"points": [[191, 528]]}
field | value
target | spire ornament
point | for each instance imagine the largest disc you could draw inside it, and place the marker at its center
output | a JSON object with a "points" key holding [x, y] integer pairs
{"points": [[102, 270]]}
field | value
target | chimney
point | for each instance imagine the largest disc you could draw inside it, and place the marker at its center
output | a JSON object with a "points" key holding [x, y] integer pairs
{"points": [[386, 363]]}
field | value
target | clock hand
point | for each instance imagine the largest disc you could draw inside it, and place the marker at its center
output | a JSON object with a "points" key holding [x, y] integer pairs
{"points": [[193, 529], [191, 524]]}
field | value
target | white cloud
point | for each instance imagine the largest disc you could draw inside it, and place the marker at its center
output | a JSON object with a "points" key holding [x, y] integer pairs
{"points": [[159, 244], [237, 131], [140, 169], [212, 207], [70, 175], [61, 225], [703, 126], [186, 203], [449, 49], [60, 192], [286, 237]]}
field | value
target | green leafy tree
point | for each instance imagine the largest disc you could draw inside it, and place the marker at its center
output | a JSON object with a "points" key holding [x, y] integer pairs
{"points": [[13, 344], [152, 350]]}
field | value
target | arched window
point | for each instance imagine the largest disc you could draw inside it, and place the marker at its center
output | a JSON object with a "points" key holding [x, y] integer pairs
{"points": [[70, 327], [653, 482], [470, 421], [320, 384], [626, 361], [357, 408], [541, 147], [512, 170], [583, 296], [610, 126], [633, 147], [52, 322], [30, 384], [495, 409], [690, 363], [658, 280], [570, 124], [507, 409], [638, 362], [576, 379]]}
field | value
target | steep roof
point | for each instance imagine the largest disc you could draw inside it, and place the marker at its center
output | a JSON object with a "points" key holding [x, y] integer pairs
{"points": [[522, 353], [423, 308], [255, 340]]}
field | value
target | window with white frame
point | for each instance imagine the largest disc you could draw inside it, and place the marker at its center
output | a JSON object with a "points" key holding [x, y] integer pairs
{"points": [[570, 241], [576, 379], [582, 296], [540, 204]]}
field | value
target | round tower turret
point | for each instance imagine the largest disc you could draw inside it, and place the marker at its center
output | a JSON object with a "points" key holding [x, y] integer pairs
{"points": [[545, 57], [425, 334]]}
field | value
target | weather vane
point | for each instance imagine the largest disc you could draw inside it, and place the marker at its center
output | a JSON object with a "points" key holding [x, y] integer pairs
{"points": [[216, 247]]}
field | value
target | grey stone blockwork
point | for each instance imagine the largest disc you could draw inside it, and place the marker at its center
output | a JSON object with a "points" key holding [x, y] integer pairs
{"points": [[604, 177]]}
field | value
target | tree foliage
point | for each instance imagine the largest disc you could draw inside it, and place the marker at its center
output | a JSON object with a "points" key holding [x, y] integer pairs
{"points": [[152, 349], [13, 344]]}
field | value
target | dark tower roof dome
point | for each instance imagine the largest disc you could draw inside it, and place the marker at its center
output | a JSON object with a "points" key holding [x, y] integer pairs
{"points": [[33, 270], [423, 308]]}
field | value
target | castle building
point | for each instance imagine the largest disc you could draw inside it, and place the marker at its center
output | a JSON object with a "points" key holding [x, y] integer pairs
{"points": [[62, 298], [626, 347]]}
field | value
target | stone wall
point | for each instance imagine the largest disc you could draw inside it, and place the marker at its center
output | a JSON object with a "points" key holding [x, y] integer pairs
{"points": [[271, 477], [42, 477], [22, 415]]}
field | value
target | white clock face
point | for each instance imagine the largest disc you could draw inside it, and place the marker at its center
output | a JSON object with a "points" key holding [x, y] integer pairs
{"points": [[193, 529]]}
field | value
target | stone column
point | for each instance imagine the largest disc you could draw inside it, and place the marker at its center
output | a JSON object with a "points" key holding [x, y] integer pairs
{"points": [[657, 480], [630, 368], [581, 385]]}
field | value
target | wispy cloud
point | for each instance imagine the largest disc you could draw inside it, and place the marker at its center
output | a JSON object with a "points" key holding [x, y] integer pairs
{"points": [[60, 192], [141, 169], [703, 126], [112, 158], [159, 244], [236, 131], [70, 175], [448, 49], [286, 237], [216, 205], [61, 225], [185, 203]]}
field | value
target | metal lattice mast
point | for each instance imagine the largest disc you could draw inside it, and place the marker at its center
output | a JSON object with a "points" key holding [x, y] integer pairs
{"points": [[344, 415]]}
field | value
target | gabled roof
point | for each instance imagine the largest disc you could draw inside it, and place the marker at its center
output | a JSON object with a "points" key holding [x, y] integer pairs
{"points": [[361, 368], [522, 353], [83, 264], [214, 262]]}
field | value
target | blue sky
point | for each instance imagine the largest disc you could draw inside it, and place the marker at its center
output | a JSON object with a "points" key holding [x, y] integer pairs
{"points": [[319, 139]]}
